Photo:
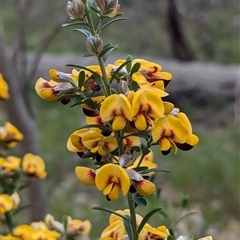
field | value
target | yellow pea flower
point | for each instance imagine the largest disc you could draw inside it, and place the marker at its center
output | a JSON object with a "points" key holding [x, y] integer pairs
{"points": [[6, 203], [11, 163], [112, 178], [4, 95], [9, 237], [97, 143], [78, 227], [192, 139], [146, 106], [86, 175], [10, 135], [117, 108], [33, 166]]}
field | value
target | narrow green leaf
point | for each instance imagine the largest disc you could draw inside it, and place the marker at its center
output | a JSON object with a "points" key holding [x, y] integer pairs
{"points": [[68, 96], [111, 211], [106, 55], [83, 31], [106, 49], [87, 55], [73, 24], [128, 227], [170, 237], [146, 218], [112, 21], [129, 64], [118, 70], [135, 68], [19, 209], [140, 169], [133, 86], [95, 10], [90, 103], [82, 67], [145, 149], [81, 79], [140, 200], [155, 170]]}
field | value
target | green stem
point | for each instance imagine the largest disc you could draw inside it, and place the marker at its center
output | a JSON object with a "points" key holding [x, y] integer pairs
{"points": [[133, 217], [9, 222], [106, 85]]}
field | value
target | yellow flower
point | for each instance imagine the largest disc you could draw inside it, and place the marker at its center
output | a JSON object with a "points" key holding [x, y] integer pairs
{"points": [[4, 95], [97, 143], [112, 178], [6, 203], [78, 227], [146, 106], [33, 166], [192, 139], [143, 186], [116, 229], [10, 163], [169, 131], [117, 108], [86, 175], [35, 231], [10, 135]]}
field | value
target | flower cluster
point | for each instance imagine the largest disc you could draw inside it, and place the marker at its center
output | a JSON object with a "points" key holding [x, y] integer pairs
{"points": [[126, 113], [12, 170]]}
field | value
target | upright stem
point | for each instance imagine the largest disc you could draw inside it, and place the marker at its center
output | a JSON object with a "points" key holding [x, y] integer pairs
{"points": [[133, 217]]}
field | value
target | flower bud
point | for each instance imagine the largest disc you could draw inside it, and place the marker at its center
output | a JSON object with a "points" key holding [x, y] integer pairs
{"points": [[94, 44], [104, 6], [75, 9]]}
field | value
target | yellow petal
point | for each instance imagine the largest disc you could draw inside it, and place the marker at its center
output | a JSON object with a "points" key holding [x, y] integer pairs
{"points": [[149, 102], [115, 105], [165, 145], [144, 187], [140, 122], [108, 172], [119, 123], [6, 203], [86, 175], [4, 95]]}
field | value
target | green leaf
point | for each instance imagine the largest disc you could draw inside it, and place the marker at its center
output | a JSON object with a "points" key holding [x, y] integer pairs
{"points": [[95, 10], [140, 200], [111, 211], [128, 227], [184, 200], [90, 103], [19, 209], [106, 55], [87, 55], [129, 65], [170, 237], [107, 49], [82, 67], [73, 24], [135, 68], [112, 21], [81, 79], [147, 217], [155, 170], [83, 31], [118, 70], [68, 96], [133, 86], [140, 169], [145, 149]]}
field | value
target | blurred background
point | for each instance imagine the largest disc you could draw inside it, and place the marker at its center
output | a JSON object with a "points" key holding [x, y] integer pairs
{"points": [[198, 41]]}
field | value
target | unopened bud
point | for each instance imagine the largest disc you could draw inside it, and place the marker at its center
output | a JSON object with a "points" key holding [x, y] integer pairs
{"points": [[126, 160], [75, 9], [123, 87], [175, 112], [108, 7], [94, 44]]}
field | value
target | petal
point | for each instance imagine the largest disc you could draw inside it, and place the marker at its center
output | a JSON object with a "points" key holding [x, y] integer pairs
{"points": [[165, 145], [140, 122], [149, 102], [115, 105], [109, 171], [185, 121], [86, 175], [144, 187], [90, 140], [168, 107], [6, 203], [119, 123], [114, 194]]}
